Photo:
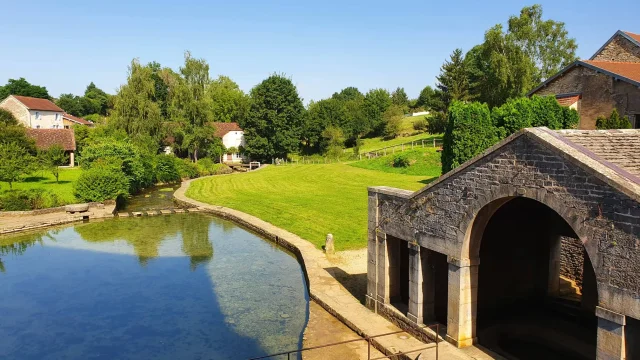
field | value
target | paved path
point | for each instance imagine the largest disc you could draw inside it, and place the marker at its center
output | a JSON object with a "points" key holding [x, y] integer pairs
{"points": [[12, 224], [329, 293]]}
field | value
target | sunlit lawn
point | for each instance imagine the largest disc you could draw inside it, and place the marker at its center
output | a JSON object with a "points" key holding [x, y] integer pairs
{"points": [[45, 180], [308, 200], [423, 161]]}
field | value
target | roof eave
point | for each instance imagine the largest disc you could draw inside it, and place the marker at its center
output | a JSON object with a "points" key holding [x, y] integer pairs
{"points": [[557, 75], [618, 33]]}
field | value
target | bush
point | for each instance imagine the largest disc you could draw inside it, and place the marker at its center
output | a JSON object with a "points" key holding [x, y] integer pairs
{"points": [[469, 132], [166, 170], [220, 169], [614, 121], [186, 168], [420, 124], [401, 160], [31, 199], [437, 123], [205, 166], [100, 183]]}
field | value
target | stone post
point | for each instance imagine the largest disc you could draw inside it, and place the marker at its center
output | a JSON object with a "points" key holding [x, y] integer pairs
{"points": [[555, 249], [611, 344], [428, 286], [462, 304], [71, 159], [415, 284], [328, 245]]}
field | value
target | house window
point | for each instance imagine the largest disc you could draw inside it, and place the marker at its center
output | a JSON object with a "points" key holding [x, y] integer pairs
{"points": [[57, 116], [37, 126], [37, 115], [66, 126]]}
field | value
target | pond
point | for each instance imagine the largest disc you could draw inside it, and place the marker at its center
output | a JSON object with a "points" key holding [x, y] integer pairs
{"points": [[182, 286]]}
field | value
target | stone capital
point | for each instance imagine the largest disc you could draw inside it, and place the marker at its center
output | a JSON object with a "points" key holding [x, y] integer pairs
{"points": [[463, 262], [609, 315]]}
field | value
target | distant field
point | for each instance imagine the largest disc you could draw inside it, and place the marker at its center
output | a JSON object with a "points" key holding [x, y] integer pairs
{"points": [[45, 180], [308, 200], [379, 142], [423, 162]]}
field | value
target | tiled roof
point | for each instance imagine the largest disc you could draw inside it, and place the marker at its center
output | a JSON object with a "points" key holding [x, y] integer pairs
{"points": [[567, 100], [37, 104], [625, 69], [223, 128], [634, 36], [76, 119], [47, 137], [613, 147]]}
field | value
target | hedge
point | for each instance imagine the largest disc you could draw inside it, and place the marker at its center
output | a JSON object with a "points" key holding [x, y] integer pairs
{"points": [[101, 183]]}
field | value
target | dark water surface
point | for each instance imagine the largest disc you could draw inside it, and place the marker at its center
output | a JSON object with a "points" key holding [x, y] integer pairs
{"points": [[184, 286]]}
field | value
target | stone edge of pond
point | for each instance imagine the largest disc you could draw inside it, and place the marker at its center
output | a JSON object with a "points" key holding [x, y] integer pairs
{"points": [[323, 288]]}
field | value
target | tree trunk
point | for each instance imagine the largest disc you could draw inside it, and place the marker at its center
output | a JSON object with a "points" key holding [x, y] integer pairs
{"points": [[195, 155]]}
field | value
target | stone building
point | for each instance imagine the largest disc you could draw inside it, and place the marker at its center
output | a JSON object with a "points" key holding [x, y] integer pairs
{"points": [[34, 113], [609, 79], [533, 245]]}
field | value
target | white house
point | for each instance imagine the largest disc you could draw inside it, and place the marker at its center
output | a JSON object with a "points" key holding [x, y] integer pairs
{"points": [[34, 113], [232, 138]]}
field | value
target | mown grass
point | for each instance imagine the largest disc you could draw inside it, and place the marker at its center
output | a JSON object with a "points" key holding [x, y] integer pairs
{"points": [[379, 142], [307, 200], [45, 180], [422, 162]]}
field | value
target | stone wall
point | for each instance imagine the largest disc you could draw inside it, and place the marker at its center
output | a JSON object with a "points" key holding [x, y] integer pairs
{"points": [[571, 259], [600, 94], [17, 109], [439, 217], [620, 49]]}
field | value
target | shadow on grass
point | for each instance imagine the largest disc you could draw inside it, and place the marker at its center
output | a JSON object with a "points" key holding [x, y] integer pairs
{"points": [[429, 180], [356, 284], [33, 179]]}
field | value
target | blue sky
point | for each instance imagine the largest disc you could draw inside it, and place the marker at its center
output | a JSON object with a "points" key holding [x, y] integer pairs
{"points": [[323, 46]]}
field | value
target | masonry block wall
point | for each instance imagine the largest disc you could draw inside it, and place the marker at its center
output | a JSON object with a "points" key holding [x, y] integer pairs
{"points": [[620, 49], [17, 109], [572, 259]]}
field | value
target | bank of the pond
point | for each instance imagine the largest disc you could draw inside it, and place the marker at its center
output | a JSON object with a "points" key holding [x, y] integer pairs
{"points": [[326, 290]]}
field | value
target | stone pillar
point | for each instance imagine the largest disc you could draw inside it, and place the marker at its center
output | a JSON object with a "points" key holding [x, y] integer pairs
{"points": [[372, 252], [611, 344], [329, 247], [462, 305], [555, 249], [72, 160], [415, 284], [428, 285]]}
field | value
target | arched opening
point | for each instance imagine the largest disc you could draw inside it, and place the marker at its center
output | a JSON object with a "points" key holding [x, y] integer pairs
{"points": [[537, 289]]}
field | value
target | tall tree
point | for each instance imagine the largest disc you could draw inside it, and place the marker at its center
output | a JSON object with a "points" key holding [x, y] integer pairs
{"points": [[453, 82], [15, 161], [273, 126], [376, 102], [97, 101], [23, 87], [546, 42], [71, 104], [7, 118], [52, 158], [347, 94], [428, 99], [320, 116], [399, 97], [228, 102]]}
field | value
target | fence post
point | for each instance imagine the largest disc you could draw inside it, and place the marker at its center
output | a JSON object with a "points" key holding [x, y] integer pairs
{"points": [[422, 142], [434, 142]]}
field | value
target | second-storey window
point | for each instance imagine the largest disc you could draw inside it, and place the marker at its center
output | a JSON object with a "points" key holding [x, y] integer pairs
{"points": [[37, 115]]}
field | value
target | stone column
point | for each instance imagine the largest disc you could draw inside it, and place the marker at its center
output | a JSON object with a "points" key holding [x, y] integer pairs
{"points": [[555, 249], [462, 305], [610, 335], [415, 284], [428, 285], [373, 247], [71, 158]]}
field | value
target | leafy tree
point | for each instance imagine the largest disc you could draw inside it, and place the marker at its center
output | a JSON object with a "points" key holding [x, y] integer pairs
{"points": [[7, 118], [347, 94], [229, 103], [332, 141], [102, 182], [24, 88], [546, 42], [437, 123], [275, 119], [95, 101], [614, 121], [15, 162], [393, 121], [70, 104], [453, 82], [320, 116], [199, 138], [17, 134], [52, 158], [376, 102], [399, 98], [161, 77], [429, 99]]}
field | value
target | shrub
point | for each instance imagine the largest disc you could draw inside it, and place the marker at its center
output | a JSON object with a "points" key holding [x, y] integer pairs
{"points": [[100, 183], [31, 199], [614, 121], [186, 168], [469, 131], [220, 169], [401, 160], [437, 123], [420, 124], [205, 166], [166, 170]]}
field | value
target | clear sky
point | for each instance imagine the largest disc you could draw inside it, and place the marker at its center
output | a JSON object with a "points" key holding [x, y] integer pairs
{"points": [[323, 46]]}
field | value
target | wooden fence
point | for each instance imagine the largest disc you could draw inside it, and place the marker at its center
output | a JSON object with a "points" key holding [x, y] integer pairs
{"points": [[434, 142]]}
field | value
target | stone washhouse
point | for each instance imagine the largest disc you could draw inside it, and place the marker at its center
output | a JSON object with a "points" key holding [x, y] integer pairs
{"points": [[537, 238]]}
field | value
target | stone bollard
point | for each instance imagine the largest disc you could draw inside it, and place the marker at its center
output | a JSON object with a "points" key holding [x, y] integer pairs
{"points": [[328, 245]]}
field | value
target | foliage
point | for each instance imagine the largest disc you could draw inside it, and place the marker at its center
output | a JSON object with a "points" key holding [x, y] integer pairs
{"points": [[16, 134], [332, 141], [420, 124], [376, 102], [228, 102], [7, 118], [23, 87], [15, 162], [307, 200], [322, 115], [401, 160], [453, 82], [101, 182], [186, 168], [419, 161], [393, 121], [207, 167], [614, 121], [399, 98], [166, 170], [30, 199], [40, 179], [469, 131], [52, 158], [274, 124], [94, 101], [429, 99], [437, 123]]}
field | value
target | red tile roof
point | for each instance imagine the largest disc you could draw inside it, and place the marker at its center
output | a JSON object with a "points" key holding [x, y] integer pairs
{"points": [[37, 104], [76, 119], [624, 69], [567, 100], [47, 137], [636, 37], [223, 128]]}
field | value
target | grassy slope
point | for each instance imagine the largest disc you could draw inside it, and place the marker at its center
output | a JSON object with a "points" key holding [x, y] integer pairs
{"points": [[45, 180], [379, 142], [308, 200], [424, 162]]}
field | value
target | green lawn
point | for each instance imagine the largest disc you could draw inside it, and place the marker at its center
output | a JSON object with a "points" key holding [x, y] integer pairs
{"points": [[423, 162], [45, 180], [308, 200], [379, 142]]}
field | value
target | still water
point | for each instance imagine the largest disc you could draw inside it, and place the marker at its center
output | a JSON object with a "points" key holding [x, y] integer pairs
{"points": [[183, 286]]}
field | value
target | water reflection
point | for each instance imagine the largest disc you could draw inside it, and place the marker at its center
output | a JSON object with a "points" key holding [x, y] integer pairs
{"points": [[82, 292]]}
